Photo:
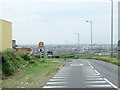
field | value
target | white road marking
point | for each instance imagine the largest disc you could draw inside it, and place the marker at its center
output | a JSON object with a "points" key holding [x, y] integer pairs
{"points": [[98, 86], [56, 82], [92, 67], [93, 76], [95, 79], [104, 78], [54, 86], [97, 72], [61, 75], [110, 83], [57, 79], [96, 82], [76, 64], [89, 63]]}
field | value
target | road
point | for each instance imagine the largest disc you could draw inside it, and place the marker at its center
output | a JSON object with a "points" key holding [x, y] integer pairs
{"points": [[85, 73]]}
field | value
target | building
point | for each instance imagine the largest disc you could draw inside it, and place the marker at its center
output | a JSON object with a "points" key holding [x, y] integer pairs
{"points": [[5, 35], [14, 44], [27, 49]]}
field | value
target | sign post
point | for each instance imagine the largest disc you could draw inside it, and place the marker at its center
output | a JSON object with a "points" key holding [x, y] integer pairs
{"points": [[41, 49]]}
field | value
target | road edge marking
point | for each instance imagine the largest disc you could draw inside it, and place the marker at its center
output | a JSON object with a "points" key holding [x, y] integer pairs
{"points": [[104, 78], [111, 83]]}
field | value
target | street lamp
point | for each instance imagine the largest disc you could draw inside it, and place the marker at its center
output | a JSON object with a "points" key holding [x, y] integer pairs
{"points": [[78, 40], [66, 49], [91, 36], [111, 28]]}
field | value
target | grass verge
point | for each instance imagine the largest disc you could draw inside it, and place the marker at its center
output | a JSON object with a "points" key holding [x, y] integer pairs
{"points": [[35, 76], [105, 58], [56, 59]]}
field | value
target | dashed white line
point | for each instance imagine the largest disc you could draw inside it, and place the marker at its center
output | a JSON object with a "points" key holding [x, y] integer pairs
{"points": [[89, 63], [97, 72], [92, 67], [104, 78]]}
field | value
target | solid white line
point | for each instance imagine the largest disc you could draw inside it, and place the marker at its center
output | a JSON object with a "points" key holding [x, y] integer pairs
{"points": [[56, 82], [99, 86], [110, 83], [54, 86]]}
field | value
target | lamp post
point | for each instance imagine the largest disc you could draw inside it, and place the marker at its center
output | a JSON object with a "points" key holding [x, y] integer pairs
{"points": [[91, 36], [78, 40], [111, 28], [66, 49]]}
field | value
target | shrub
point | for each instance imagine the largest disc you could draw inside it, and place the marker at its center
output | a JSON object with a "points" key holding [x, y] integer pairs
{"points": [[26, 57], [32, 61], [11, 62], [24, 54]]}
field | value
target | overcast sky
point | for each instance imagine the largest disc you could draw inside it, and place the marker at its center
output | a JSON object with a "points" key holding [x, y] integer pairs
{"points": [[54, 21]]}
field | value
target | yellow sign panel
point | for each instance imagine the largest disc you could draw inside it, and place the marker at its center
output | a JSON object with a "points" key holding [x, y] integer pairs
{"points": [[41, 44]]}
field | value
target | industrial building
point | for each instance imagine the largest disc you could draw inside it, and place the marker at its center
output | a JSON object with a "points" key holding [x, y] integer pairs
{"points": [[5, 35]]}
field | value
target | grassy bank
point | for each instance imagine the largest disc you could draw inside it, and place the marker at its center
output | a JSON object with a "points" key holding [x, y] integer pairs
{"points": [[56, 59], [105, 58], [21, 70], [35, 76]]}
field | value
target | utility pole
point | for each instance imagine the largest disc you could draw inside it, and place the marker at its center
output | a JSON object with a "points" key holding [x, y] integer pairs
{"points": [[111, 28], [91, 36]]}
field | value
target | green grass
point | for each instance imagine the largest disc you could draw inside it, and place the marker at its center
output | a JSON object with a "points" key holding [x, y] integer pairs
{"points": [[56, 59], [105, 58], [35, 76]]}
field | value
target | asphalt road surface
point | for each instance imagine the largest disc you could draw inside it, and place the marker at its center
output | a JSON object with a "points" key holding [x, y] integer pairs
{"points": [[83, 73]]}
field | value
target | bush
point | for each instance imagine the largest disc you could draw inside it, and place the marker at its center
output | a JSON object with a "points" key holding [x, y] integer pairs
{"points": [[11, 62], [32, 61], [26, 57], [24, 54]]}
